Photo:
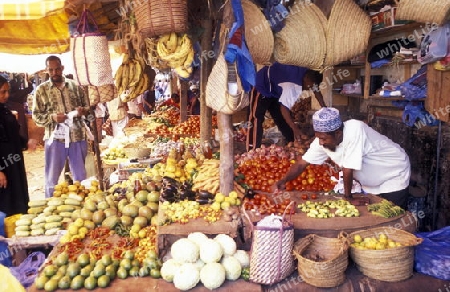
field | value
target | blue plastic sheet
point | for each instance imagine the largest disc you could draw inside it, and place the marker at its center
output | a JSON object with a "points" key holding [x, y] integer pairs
{"points": [[432, 256]]}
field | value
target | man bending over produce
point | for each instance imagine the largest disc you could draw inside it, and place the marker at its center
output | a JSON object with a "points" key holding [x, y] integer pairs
{"points": [[381, 166]]}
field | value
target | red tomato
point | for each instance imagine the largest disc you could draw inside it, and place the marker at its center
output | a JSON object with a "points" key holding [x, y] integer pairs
{"points": [[304, 197], [313, 196]]}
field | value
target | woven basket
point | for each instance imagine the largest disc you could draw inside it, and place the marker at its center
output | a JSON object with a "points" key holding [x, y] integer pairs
{"points": [[322, 261], [348, 31], [158, 17], [258, 35], [434, 11], [302, 41], [217, 96], [133, 151], [392, 264], [271, 258]]}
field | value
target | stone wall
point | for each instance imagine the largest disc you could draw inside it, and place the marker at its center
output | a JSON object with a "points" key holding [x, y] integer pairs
{"points": [[421, 146]]}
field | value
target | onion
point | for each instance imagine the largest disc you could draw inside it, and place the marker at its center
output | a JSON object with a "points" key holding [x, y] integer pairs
{"points": [[272, 152], [278, 149], [258, 150], [273, 146]]}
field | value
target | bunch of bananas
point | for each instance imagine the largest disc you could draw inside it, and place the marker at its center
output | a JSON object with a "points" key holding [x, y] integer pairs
{"points": [[385, 209], [130, 79], [178, 52]]}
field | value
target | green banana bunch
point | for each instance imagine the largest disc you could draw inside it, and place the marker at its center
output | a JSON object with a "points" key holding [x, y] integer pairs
{"points": [[385, 209]]}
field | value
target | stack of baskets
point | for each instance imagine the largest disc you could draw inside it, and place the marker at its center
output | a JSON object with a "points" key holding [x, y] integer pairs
{"points": [[322, 261], [391, 264]]}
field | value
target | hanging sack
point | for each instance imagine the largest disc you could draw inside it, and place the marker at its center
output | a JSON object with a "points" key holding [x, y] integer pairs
{"points": [[218, 96], [271, 258], [90, 53], [102, 93]]}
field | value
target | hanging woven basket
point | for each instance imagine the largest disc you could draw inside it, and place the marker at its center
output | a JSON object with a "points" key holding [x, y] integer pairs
{"points": [[158, 17], [348, 31], [302, 41], [434, 11], [258, 35]]}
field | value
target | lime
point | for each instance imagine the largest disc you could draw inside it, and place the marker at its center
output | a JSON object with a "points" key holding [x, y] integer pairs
{"points": [[73, 269], [90, 283], [134, 271], [51, 285], [135, 263], [122, 273], [77, 282], [110, 271], [57, 277], [98, 271], [86, 271], [83, 259], [152, 254], [155, 273], [50, 270], [40, 281], [64, 282], [103, 281], [144, 271], [150, 263], [106, 260], [116, 263], [62, 259], [125, 263], [129, 255], [62, 270]]}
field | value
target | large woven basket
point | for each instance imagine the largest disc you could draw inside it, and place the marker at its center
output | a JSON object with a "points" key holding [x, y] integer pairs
{"points": [[158, 17], [258, 34], [302, 41], [434, 11], [271, 258], [134, 151], [392, 264], [347, 33], [322, 261]]}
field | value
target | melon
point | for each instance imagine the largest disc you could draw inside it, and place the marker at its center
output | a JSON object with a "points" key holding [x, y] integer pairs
{"points": [[146, 212], [130, 210]]}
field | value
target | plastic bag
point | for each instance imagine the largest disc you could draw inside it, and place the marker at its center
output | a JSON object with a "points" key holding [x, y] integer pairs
{"points": [[9, 282], [434, 45], [415, 114], [432, 257], [27, 271]]}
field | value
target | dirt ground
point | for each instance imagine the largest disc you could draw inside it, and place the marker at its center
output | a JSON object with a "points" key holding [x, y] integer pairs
{"points": [[34, 164]]}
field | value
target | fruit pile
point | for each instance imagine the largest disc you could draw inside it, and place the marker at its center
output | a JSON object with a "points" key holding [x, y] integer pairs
{"points": [[261, 173], [377, 243], [263, 204], [385, 209], [191, 127], [320, 209]]}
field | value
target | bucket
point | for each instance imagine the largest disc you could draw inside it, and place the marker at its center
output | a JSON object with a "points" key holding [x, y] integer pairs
{"points": [[10, 224]]}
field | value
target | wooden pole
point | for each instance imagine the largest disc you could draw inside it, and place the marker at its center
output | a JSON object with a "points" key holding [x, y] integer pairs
{"points": [[224, 122], [184, 85], [98, 160], [205, 69]]}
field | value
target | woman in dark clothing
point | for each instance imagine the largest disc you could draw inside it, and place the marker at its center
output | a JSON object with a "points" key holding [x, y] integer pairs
{"points": [[13, 181], [16, 101]]}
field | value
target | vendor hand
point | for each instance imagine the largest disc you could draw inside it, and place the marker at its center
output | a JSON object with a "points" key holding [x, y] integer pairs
{"points": [[32, 145], [278, 186], [3, 180], [348, 196], [59, 118], [297, 134]]}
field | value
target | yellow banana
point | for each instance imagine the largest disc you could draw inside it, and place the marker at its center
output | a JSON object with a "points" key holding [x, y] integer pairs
{"points": [[137, 72], [172, 43], [118, 76]]}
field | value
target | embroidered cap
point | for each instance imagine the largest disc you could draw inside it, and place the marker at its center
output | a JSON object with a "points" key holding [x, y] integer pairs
{"points": [[326, 119]]}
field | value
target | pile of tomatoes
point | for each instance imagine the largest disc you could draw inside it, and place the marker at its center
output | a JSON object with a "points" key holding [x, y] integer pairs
{"points": [[265, 204], [261, 173]]}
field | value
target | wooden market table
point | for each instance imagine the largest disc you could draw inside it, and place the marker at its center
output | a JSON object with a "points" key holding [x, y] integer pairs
{"points": [[331, 227]]}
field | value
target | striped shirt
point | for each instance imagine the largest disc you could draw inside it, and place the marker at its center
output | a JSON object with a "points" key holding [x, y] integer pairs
{"points": [[48, 99]]}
